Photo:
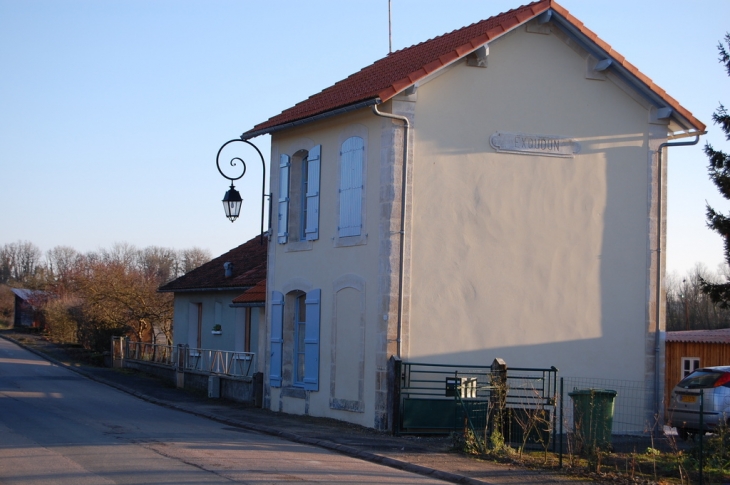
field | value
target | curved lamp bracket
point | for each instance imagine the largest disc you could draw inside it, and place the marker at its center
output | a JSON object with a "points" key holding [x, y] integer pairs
{"points": [[232, 201], [234, 160]]}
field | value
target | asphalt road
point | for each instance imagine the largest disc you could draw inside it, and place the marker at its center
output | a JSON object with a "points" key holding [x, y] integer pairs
{"points": [[57, 427]]}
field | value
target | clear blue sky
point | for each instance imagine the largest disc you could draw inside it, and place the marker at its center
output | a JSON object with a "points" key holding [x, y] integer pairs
{"points": [[111, 112]]}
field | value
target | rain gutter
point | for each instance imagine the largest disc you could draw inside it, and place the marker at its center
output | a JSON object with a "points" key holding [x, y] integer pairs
{"points": [[328, 114], [191, 290]]}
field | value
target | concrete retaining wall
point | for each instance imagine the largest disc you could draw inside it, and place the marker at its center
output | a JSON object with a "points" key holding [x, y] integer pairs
{"points": [[246, 390]]}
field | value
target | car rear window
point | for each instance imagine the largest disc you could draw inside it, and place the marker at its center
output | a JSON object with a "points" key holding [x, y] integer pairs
{"points": [[701, 379]]}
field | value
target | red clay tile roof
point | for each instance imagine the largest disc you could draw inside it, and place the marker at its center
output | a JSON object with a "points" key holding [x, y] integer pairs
{"points": [[719, 336], [257, 294], [396, 72], [249, 268]]}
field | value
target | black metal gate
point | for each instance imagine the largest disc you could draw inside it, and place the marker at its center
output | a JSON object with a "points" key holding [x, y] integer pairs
{"points": [[439, 399]]}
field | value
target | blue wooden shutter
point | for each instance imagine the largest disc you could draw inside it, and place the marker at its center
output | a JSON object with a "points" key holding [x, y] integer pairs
{"points": [[284, 164], [277, 338], [351, 184], [311, 341], [311, 230]]}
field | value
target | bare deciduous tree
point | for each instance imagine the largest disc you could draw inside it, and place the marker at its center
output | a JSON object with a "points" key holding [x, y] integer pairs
{"points": [[102, 293], [192, 258], [117, 300], [19, 262], [60, 262], [158, 263], [688, 307]]}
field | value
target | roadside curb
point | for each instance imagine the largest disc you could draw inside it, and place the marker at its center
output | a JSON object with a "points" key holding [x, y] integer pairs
{"points": [[286, 435]]}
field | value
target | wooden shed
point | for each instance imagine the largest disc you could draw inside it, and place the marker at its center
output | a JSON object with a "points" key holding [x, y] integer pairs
{"points": [[692, 349], [26, 308]]}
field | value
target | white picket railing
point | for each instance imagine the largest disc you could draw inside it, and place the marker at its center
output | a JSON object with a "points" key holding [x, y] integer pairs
{"points": [[221, 362]]}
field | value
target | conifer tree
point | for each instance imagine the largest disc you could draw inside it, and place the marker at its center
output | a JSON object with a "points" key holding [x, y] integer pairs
{"points": [[719, 171]]}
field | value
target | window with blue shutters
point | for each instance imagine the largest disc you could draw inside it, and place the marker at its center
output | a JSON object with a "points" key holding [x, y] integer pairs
{"points": [[311, 205], [351, 187], [299, 183], [283, 226], [311, 340], [277, 338], [300, 333], [295, 321], [302, 192]]}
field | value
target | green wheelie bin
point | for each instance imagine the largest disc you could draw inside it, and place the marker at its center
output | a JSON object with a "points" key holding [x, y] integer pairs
{"points": [[592, 417]]}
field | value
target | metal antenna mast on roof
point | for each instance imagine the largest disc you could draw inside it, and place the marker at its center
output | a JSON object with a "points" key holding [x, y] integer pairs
{"points": [[390, 30]]}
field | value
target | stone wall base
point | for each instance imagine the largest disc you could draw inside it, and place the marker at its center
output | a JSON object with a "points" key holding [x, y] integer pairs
{"points": [[246, 390]]}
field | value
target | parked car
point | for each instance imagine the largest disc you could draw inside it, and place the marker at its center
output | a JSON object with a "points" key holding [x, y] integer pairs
{"points": [[684, 405]]}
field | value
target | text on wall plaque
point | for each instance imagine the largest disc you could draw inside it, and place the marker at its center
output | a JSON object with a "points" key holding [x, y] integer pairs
{"points": [[528, 144]]}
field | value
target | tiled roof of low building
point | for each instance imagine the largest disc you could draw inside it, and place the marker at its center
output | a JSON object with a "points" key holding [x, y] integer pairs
{"points": [[399, 70], [257, 294], [718, 336], [249, 267]]}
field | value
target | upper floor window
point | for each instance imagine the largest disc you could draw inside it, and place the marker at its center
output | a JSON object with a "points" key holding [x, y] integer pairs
{"points": [[299, 196], [351, 187]]}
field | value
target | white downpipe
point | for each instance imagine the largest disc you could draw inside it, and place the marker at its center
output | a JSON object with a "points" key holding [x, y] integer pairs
{"points": [[404, 184], [657, 340]]}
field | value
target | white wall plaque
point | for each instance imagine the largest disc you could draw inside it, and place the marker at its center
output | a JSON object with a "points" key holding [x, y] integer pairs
{"points": [[551, 146]]}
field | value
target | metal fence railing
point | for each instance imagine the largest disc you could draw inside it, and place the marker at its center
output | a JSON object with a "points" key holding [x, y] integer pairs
{"points": [[632, 414], [220, 362], [146, 352], [426, 391], [223, 362], [438, 398]]}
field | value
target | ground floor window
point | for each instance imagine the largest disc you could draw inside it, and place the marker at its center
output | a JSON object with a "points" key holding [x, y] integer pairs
{"points": [[195, 324], [300, 324], [295, 320]]}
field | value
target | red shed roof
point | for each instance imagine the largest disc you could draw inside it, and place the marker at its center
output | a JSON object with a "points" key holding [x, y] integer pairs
{"points": [[718, 336], [249, 267], [399, 70], [257, 294]]}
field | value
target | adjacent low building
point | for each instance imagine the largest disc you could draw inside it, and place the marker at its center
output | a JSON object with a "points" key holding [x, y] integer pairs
{"points": [[27, 303], [688, 350], [204, 317]]}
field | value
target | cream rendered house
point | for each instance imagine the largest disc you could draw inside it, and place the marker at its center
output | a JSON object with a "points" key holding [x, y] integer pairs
{"points": [[524, 227]]}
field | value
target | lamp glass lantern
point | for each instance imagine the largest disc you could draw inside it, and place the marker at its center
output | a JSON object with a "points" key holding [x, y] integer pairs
{"points": [[232, 203]]}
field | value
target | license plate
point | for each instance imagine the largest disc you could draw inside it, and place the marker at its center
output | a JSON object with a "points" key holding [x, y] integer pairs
{"points": [[686, 398]]}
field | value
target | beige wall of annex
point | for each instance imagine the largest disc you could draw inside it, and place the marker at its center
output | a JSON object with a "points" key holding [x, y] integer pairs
{"points": [[539, 260], [324, 262]]}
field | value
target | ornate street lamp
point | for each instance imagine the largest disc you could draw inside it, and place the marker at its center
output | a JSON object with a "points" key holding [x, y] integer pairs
{"points": [[232, 201]]}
